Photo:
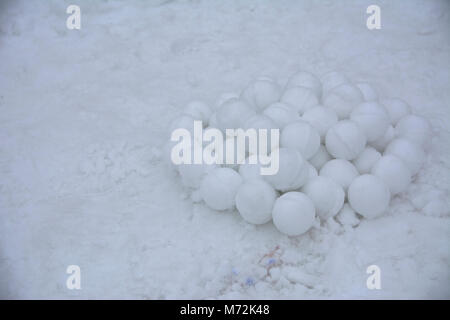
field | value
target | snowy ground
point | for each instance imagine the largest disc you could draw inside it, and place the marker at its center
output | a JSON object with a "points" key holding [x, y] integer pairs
{"points": [[84, 113]]}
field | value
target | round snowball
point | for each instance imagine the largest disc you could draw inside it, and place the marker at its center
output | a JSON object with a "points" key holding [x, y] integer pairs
{"points": [[255, 200], [307, 80], [369, 196], [300, 98], [381, 143], [331, 80], [233, 114], [411, 154], [372, 118], [251, 169], [321, 118], [320, 157], [301, 136], [341, 171], [393, 172], [261, 93], [260, 121], [293, 213], [293, 171], [281, 114], [396, 109], [366, 159], [368, 91], [223, 98], [218, 189], [343, 99], [414, 128], [345, 140], [199, 110], [327, 196]]}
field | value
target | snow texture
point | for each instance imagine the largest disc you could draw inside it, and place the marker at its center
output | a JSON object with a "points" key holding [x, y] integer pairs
{"points": [[84, 116]]}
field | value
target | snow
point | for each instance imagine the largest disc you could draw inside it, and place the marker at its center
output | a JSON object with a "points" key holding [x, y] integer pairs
{"points": [[85, 114]]}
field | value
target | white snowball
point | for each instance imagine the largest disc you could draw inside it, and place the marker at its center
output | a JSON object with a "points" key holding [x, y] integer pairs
{"points": [[255, 200], [320, 157], [332, 80], [199, 110], [301, 136], [307, 80], [281, 114], [251, 169], [233, 114], [396, 109], [366, 159], [368, 91], [411, 154], [219, 188], [341, 171], [312, 172], [369, 196], [343, 99], [293, 213], [300, 98], [414, 128], [321, 118], [372, 118], [327, 196], [192, 174], [347, 216], [261, 93], [381, 143], [223, 98], [345, 140], [260, 121], [293, 171], [393, 172]]}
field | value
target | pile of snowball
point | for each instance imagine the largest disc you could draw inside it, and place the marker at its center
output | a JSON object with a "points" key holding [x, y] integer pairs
{"points": [[343, 152]]}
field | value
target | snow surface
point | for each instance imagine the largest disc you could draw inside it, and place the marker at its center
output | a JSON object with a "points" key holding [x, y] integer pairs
{"points": [[84, 115]]}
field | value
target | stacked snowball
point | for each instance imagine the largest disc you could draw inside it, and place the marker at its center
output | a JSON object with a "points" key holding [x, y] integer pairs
{"points": [[344, 153]]}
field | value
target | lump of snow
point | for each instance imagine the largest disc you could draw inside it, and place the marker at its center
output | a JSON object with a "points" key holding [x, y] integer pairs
{"points": [[341, 171], [345, 140], [393, 172], [372, 118], [301, 136]]}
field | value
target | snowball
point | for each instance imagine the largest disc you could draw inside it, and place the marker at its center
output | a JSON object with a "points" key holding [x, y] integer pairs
{"points": [[320, 157], [411, 154], [345, 140], [301, 136], [343, 99], [192, 174], [281, 114], [341, 171], [219, 188], [396, 109], [321, 118], [261, 93], [381, 143], [372, 118], [393, 172], [414, 128], [255, 200], [199, 111], [182, 122], [327, 196], [233, 114], [293, 213], [369, 196], [332, 80], [260, 121], [300, 98], [366, 159], [223, 98], [368, 91], [347, 216], [251, 168], [293, 171], [306, 80]]}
